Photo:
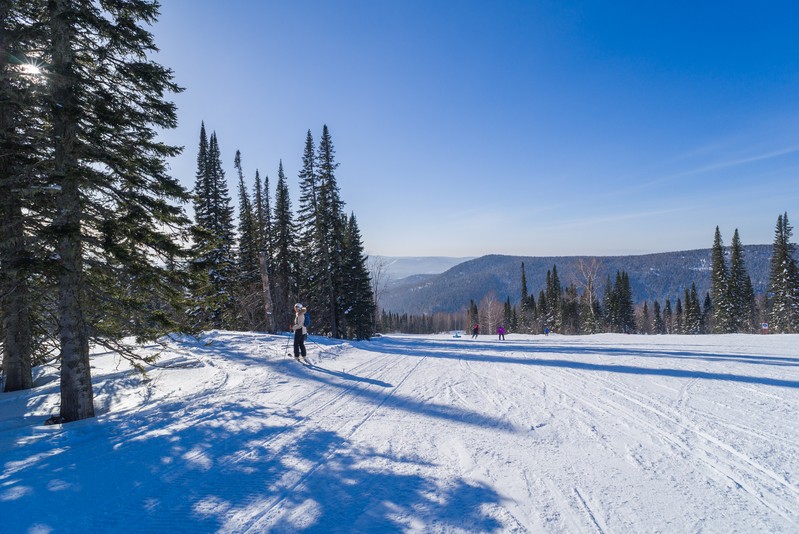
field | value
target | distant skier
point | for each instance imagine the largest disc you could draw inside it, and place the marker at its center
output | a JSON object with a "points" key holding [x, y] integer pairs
{"points": [[501, 332], [475, 331], [546, 330], [299, 330]]}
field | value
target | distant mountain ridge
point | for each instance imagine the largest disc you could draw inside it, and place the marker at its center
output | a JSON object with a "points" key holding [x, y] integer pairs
{"points": [[652, 277]]}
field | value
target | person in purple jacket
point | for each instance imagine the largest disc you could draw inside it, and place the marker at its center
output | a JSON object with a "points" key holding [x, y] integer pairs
{"points": [[501, 332]]}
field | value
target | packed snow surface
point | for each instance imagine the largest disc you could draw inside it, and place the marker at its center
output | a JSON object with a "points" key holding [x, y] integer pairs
{"points": [[605, 433]]}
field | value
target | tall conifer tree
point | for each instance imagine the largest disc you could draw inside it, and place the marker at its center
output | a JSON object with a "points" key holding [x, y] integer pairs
{"points": [[110, 171], [285, 252], [784, 280], [740, 298], [360, 310], [720, 280], [213, 254], [23, 207]]}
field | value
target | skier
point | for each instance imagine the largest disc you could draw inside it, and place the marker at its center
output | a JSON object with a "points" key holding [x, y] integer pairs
{"points": [[501, 332], [475, 331], [299, 331]]}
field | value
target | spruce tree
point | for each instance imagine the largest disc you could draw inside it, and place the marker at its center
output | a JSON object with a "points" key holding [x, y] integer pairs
{"points": [[24, 204], [554, 293], [783, 280], [740, 299], [308, 232], [285, 260], [720, 279], [248, 279], [707, 314], [570, 310], [213, 257], [357, 288], [693, 312], [626, 306], [668, 318], [523, 302], [330, 228], [115, 215], [645, 324], [658, 324], [248, 237], [542, 309]]}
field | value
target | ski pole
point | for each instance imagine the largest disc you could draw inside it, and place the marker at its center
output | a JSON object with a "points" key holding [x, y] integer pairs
{"points": [[288, 339]]}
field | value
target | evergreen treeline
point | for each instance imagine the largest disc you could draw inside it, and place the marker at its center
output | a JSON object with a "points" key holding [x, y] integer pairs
{"points": [[248, 277], [730, 307], [95, 245]]}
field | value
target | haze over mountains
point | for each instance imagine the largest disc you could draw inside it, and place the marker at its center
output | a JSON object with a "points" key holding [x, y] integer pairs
{"points": [[652, 277]]}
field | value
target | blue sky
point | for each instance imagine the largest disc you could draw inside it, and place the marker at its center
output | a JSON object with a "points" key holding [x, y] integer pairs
{"points": [[538, 128]]}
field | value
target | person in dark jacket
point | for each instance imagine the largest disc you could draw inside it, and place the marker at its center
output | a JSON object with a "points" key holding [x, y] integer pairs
{"points": [[475, 331]]}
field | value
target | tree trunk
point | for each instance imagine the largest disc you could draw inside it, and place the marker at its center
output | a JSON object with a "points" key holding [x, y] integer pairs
{"points": [[77, 399], [268, 308], [15, 301]]}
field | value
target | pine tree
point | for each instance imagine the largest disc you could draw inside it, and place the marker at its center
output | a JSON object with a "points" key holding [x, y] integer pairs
{"points": [[507, 315], [213, 261], [525, 320], [693, 312], [658, 324], [285, 260], [23, 207], [266, 251], [740, 299], [330, 228], [114, 197], [357, 288], [474, 314], [679, 322], [627, 309], [542, 310], [720, 278], [308, 225], [784, 280], [248, 276], [248, 237], [668, 318], [707, 314], [645, 324], [620, 311], [554, 294], [570, 311]]}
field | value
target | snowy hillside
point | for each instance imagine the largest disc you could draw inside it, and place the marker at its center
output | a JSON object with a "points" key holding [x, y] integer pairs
{"points": [[605, 433]]}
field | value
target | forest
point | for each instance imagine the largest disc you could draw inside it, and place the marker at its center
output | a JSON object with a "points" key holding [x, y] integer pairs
{"points": [[590, 304], [96, 245]]}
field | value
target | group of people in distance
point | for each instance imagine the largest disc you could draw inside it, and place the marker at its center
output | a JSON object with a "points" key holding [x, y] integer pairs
{"points": [[500, 331]]}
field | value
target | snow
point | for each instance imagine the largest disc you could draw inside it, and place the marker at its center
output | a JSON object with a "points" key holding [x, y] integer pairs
{"points": [[604, 433]]}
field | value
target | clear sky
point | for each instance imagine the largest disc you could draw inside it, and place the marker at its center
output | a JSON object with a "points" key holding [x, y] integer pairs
{"points": [[538, 128]]}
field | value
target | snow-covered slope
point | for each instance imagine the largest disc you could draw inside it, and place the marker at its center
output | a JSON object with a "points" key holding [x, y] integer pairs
{"points": [[605, 433]]}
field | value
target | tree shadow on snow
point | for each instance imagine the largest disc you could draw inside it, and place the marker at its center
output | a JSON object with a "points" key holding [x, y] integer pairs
{"points": [[231, 468], [524, 354]]}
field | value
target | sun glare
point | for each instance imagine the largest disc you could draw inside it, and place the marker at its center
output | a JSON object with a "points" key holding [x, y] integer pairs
{"points": [[31, 69]]}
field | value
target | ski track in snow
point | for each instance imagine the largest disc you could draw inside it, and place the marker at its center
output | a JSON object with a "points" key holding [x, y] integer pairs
{"points": [[605, 433]]}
